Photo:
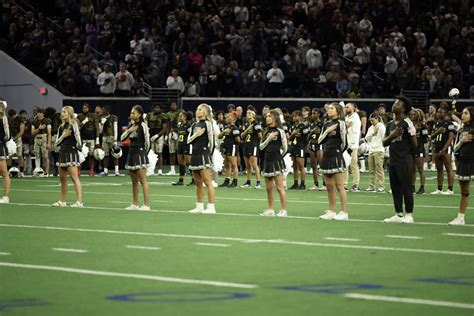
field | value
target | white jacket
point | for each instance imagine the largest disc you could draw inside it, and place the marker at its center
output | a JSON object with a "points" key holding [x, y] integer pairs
{"points": [[353, 131], [375, 139]]}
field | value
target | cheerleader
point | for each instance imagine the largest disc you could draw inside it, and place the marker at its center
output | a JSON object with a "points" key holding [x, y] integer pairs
{"points": [[464, 147], [252, 136], [184, 128], [298, 134], [137, 159], [315, 152], [201, 146], [230, 148], [4, 137], [69, 142], [442, 150], [417, 117], [275, 145], [333, 139]]}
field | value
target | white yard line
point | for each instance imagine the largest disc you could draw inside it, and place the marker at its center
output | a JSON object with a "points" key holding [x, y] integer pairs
{"points": [[129, 275], [341, 239], [211, 244], [403, 237], [70, 250], [5, 253], [184, 212], [305, 201], [142, 247], [269, 241], [408, 300], [458, 235]]}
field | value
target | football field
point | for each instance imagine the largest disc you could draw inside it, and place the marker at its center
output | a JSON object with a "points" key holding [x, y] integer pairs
{"points": [[104, 260]]}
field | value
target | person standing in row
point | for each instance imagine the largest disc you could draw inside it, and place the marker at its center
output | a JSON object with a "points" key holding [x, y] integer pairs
{"points": [[464, 147], [401, 137], [251, 137], [201, 141], [17, 125], [298, 135], [137, 159], [417, 117], [69, 142], [185, 120], [353, 124], [315, 152], [41, 130], [443, 137], [4, 137], [275, 146], [333, 139], [374, 138], [230, 150], [89, 125], [109, 123]]}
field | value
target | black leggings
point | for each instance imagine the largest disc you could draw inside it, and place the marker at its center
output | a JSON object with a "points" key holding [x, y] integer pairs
{"points": [[401, 185]]}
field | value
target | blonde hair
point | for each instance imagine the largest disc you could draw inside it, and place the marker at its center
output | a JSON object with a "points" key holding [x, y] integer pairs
{"points": [[208, 110], [70, 112]]}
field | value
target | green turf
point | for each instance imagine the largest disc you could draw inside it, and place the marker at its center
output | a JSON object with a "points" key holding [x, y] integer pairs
{"points": [[288, 260]]}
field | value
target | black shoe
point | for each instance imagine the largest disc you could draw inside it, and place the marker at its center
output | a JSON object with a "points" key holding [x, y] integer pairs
{"points": [[180, 182], [294, 187], [233, 184], [302, 187], [421, 190], [355, 188], [225, 184], [191, 184]]}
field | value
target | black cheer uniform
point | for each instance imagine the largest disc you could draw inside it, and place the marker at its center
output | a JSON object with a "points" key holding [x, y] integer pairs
{"points": [[298, 143], [69, 146], [273, 164], [137, 157], [251, 141], [314, 133], [440, 140], [4, 137], [183, 132], [201, 147], [422, 139], [333, 144], [465, 154], [230, 146]]}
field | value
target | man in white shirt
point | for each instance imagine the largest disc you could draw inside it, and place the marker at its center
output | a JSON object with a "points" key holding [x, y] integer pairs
{"points": [[106, 82], [314, 57], [275, 79], [124, 80], [148, 46], [175, 82], [353, 124]]}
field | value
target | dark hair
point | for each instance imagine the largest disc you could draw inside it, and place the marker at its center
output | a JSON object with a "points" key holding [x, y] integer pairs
{"points": [[11, 112], [375, 115], [339, 109], [382, 105], [156, 105], [406, 101], [107, 108], [40, 110], [251, 107], [86, 105], [22, 112], [297, 113], [276, 116], [471, 111], [139, 109], [49, 112], [189, 115]]}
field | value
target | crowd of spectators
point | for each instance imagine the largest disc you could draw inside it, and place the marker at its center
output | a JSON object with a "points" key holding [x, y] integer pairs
{"points": [[315, 48]]}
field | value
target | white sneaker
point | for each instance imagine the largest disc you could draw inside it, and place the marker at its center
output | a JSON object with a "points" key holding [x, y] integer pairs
{"points": [[322, 188], [214, 184], [380, 190], [5, 200], [436, 192], [313, 188], [447, 192], [341, 216], [457, 221], [144, 208], [282, 213], [59, 203], [171, 173], [394, 219], [245, 186], [268, 213], [328, 215], [196, 210], [408, 219], [209, 210], [77, 204], [159, 173], [132, 207]]}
